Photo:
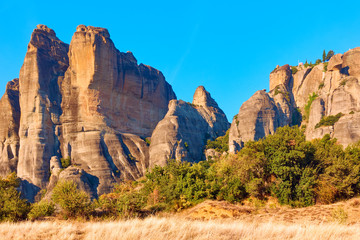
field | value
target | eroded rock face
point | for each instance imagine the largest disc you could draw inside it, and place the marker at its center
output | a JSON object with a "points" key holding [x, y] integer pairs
{"points": [[44, 66], [281, 75], [9, 128], [258, 117], [86, 101], [183, 132]]}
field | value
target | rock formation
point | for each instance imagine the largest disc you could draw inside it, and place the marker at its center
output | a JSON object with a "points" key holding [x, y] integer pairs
{"points": [[85, 101], [9, 128], [186, 127], [320, 91]]}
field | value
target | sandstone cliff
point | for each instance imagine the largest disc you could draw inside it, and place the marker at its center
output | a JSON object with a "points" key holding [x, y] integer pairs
{"points": [[183, 132], [85, 101], [9, 128], [326, 95]]}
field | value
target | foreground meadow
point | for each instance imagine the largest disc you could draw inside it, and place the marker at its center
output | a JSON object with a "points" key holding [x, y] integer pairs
{"points": [[175, 228]]}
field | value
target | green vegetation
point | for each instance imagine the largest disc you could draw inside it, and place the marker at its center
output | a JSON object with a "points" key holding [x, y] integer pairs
{"points": [[148, 141], [65, 162], [236, 120], [221, 144], [285, 94], [325, 66], [294, 70], [73, 202], [312, 97], [12, 206], [321, 85], [41, 209], [329, 55], [343, 82], [329, 120], [324, 56], [283, 165]]}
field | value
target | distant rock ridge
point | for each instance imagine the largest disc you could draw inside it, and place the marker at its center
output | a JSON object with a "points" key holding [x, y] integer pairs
{"points": [[334, 87]]}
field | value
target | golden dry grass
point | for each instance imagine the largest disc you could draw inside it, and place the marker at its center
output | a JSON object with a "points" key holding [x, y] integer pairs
{"points": [[208, 220], [174, 228]]}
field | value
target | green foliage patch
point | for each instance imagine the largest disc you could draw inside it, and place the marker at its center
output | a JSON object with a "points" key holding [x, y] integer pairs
{"points": [[307, 107], [220, 144], [329, 120]]}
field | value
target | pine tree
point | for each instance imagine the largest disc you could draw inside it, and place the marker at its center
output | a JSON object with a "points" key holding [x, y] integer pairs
{"points": [[324, 56], [329, 55]]}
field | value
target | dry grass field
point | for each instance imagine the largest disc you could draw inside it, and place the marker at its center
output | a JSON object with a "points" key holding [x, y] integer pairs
{"points": [[208, 220]]}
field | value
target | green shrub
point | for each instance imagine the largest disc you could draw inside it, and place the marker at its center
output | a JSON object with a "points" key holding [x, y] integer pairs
{"points": [[73, 202], [352, 112], [329, 120], [12, 207], [294, 70], [325, 67], [343, 82], [307, 107], [321, 85], [123, 202], [65, 162], [220, 144], [41, 209]]}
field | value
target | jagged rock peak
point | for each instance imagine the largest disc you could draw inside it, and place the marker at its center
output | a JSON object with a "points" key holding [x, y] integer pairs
{"points": [[280, 75], [203, 98], [13, 85], [96, 30], [44, 28]]}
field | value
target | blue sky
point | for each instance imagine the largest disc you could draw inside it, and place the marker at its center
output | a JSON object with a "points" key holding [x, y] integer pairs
{"points": [[230, 47]]}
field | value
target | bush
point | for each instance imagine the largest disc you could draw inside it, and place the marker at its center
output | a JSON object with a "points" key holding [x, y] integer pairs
{"points": [[41, 209], [73, 202], [307, 107], [220, 144], [329, 120], [294, 70], [12, 207], [65, 162]]}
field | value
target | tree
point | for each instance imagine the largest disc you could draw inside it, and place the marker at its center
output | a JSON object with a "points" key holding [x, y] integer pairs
{"points": [[12, 207], [324, 56], [329, 55], [72, 201]]}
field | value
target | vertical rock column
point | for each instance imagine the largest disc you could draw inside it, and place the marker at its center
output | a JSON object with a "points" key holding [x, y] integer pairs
{"points": [[45, 63]]}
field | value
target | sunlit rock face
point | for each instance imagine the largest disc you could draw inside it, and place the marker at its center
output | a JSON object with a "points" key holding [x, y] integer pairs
{"points": [[184, 131], [85, 101], [335, 89]]}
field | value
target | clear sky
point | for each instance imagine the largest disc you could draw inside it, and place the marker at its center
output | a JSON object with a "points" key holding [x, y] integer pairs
{"points": [[230, 47]]}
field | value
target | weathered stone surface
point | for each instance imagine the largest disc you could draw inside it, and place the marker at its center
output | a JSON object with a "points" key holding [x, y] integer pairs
{"points": [[281, 75], [183, 132], [86, 101], [45, 63], [310, 85], [257, 118], [335, 63], [351, 62], [347, 129], [9, 127], [107, 98]]}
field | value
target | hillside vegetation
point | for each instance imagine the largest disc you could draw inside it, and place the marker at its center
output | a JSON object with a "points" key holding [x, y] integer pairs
{"points": [[296, 172]]}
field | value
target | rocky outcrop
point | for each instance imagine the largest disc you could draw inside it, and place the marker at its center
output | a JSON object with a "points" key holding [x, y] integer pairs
{"points": [[85, 101], [44, 66], [334, 89], [183, 132], [258, 117], [9, 128]]}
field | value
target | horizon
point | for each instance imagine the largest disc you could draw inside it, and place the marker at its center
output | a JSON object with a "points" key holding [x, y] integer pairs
{"points": [[230, 49]]}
